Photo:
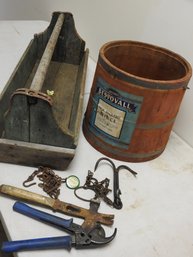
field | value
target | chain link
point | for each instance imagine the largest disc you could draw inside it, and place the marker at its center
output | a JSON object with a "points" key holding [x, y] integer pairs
{"points": [[50, 182]]}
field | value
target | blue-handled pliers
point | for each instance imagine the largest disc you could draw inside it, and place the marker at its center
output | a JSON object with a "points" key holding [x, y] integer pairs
{"points": [[79, 238]]}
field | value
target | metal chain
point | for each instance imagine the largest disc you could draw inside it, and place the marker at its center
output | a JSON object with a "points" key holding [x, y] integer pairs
{"points": [[50, 182], [100, 188]]}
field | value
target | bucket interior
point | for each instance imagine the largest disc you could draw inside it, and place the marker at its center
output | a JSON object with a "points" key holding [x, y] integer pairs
{"points": [[146, 61]]}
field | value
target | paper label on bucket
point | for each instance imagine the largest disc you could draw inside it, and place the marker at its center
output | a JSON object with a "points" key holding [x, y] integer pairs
{"points": [[115, 113], [109, 119]]}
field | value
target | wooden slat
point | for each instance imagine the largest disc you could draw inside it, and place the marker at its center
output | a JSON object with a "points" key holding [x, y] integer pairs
{"points": [[30, 154], [40, 75]]}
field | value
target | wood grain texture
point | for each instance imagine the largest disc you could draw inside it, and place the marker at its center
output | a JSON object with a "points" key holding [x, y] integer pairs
{"points": [[157, 76], [27, 115]]}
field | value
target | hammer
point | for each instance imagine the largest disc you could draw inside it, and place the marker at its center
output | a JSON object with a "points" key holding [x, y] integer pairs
{"points": [[91, 216]]}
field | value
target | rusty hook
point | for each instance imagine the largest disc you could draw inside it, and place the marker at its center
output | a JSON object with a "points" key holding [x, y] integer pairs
{"points": [[30, 178], [117, 192], [134, 173]]}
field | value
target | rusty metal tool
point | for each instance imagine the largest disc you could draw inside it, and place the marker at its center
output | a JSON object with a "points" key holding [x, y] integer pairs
{"points": [[79, 238], [100, 188], [116, 190], [91, 216]]}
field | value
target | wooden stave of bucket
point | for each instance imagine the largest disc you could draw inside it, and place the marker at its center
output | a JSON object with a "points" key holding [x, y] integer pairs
{"points": [[155, 121]]}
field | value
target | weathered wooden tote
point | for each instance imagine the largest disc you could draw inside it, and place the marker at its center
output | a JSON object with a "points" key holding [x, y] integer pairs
{"points": [[41, 105]]}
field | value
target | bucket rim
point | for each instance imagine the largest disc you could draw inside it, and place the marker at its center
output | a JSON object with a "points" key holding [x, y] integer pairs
{"points": [[180, 59]]}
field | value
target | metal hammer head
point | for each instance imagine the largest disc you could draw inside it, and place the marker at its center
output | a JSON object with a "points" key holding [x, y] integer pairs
{"points": [[92, 217]]}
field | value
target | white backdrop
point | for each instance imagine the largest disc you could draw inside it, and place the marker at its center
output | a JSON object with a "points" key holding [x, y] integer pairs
{"points": [[167, 23]]}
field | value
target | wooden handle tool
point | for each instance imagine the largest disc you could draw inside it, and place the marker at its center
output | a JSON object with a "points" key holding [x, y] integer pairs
{"points": [[91, 216]]}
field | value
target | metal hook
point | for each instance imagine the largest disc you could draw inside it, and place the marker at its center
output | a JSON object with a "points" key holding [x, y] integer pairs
{"points": [[127, 168], [117, 192], [104, 159], [28, 180]]}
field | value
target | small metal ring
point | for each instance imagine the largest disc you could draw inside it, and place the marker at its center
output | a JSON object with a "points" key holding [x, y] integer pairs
{"points": [[85, 188]]}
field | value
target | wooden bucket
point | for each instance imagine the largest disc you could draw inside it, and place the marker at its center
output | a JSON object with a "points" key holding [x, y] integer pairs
{"points": [[135, 97]]}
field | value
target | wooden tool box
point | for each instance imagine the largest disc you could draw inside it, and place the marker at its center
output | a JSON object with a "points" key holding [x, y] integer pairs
{"points": [[41, 105]]}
